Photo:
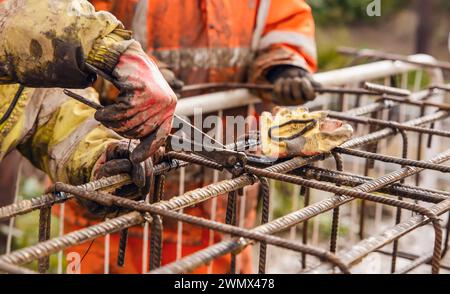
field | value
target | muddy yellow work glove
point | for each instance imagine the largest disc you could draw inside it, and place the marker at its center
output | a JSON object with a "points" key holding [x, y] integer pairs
{"points": [[297, 132], [114, 161]]}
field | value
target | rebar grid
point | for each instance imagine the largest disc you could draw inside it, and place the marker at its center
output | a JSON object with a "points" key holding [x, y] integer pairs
{"points": [[389, 190]]}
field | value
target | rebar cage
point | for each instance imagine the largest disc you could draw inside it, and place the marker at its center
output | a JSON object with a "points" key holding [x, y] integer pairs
{"points": [[354, 186]]}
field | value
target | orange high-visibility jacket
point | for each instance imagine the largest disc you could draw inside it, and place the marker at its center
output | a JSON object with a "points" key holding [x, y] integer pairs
{"points": [[208, 41], [220, 40]]}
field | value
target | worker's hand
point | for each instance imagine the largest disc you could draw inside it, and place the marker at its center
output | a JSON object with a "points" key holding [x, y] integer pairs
{"points": [[176, 84], [145, 106], [292, 85], [114, 161]]}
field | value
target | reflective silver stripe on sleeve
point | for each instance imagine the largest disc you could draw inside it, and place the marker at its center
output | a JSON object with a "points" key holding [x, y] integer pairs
{"points": [[306, 43], [140, 24], [263, 12]]}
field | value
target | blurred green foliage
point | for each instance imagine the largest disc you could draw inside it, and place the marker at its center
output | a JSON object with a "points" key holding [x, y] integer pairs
{"points": [[332, 12], [28, 224]]}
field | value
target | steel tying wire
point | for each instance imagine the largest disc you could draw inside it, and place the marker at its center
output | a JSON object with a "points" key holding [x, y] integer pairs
{"points": [[225, 247], [130, 219], [236, 182]]}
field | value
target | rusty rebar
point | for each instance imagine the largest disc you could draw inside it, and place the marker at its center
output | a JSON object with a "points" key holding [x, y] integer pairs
{"points": [[363, 248], [25, 206], [398, 213], [26, 255], [154, 209], [157, 226], [352, 180], [265, 195], [301, 215], [123, 240], [393, 159], [416, 263], [366, 196], [441, 106], [394, 125], [385, 183], [306, 192], [231, 219], [44, 234], [335, 219], [262, 87], [393, 57], [381, 89]]}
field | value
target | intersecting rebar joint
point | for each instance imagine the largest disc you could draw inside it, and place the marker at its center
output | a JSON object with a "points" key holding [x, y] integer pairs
{"points": [[147, 217], [242, 242]]}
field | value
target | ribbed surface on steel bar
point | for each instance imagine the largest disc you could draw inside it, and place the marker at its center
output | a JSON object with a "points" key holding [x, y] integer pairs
{"points": [[360, 250], [25, 206], [299, 216], [29, 254], [376, 136], [205, 193], [352, 180]]}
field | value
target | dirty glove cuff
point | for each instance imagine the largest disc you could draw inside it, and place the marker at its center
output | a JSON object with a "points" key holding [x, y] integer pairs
{"points": [[106, 52], [292, 85], [286, 71]]}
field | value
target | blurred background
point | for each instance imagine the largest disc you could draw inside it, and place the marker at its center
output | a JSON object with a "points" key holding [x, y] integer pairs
{"points": [[404, 27]]}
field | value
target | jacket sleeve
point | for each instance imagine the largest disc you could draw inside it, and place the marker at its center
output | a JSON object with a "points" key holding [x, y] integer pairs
{"points": [[66, 141], [286, 37], [45, 43]]}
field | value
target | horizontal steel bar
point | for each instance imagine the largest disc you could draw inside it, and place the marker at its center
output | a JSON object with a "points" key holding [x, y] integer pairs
{"points": [[14, 269], [394, 57], [393, 159], [415, 264], [371, 244], [381, 89], [268, 87], [441, 106], [352, 180], [392, 124], [26, 255], [355, 74], [287, 221], [410, 256], [224, 228], [25, 206]]}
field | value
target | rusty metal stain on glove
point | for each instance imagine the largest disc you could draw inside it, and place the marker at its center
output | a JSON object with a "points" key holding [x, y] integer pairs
{"points": [[298, 132], [146, 103]]}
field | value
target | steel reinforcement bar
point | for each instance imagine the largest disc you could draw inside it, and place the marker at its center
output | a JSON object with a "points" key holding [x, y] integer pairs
{"points": [[190, 262]]}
